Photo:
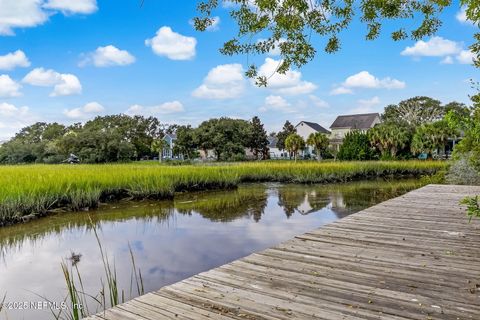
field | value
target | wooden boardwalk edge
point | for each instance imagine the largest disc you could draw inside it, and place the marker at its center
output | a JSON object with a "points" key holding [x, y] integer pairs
{"points": [[412, 257]]}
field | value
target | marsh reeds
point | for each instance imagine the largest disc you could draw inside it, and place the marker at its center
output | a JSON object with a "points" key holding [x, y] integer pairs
{"points": [[34, 190], [78, 301], [2, 302]]}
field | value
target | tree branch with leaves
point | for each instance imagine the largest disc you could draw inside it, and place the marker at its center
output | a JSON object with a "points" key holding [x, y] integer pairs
{"points": [[292, 25]]}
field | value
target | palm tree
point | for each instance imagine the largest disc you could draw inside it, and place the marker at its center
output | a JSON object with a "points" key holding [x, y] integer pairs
{"points": [[423, 140], [389, 138], [398, 139], [442, 133], [431, 137], [294, 143], [319, 141], [158, 146]]}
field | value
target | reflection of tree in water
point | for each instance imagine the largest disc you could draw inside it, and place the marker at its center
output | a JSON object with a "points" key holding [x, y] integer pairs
{"points": [[225, 206], [246, 201]]}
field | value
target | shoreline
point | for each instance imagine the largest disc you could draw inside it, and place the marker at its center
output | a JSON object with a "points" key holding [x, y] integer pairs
{"points": [[147, 182]]}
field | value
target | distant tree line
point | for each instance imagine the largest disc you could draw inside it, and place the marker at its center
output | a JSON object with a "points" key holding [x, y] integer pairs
{"points": [[420, 125], [125, 138], [104, 139]]}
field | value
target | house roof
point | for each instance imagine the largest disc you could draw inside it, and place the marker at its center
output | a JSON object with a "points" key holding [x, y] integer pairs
{"points": [[314, 126], [272, 142], [171, 135], [355, 121]]}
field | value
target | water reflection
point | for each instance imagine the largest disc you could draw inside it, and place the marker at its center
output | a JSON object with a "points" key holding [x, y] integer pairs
{"points": [[171, 239]]}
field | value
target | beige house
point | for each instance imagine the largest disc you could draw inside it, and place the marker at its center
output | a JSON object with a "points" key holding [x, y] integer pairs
{"points": [[347, 123]]}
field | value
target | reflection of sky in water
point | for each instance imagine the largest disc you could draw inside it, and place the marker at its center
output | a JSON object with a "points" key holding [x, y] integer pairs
{"points": [[167, 248]]}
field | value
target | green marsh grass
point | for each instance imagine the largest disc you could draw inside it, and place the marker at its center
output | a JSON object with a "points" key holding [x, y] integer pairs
{"points": [[27, 191]]}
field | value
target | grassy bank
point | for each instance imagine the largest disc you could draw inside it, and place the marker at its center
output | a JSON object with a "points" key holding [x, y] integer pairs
{"points": [[35, 190]]}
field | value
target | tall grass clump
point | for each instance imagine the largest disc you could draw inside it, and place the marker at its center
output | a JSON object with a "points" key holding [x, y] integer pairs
{"points": [[34, 190], [2, 302], [110, 295]]}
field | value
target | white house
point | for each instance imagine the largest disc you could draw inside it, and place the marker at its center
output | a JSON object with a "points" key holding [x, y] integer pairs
{"points": [[274, 151], [167, 152], [305, 129], [347, 123]]}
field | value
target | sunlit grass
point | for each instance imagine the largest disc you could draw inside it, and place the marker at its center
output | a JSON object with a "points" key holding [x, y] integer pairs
{"points": [[36, 189]]}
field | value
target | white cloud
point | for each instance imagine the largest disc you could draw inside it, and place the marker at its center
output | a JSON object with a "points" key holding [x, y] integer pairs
{"points": [[462, 16], [366, 80], [30, 13], [9, 110], [439, 47], [87, 111], [108, 56], [317, 102], [164, 108], [172, 45], [20, 14], [12, 119], [14, 59], [72, 7], [63, 84], [215, 24], [366, 105], [340, 90], [290, 83], [41, 77], [434, 47], [465, 57], [69, 84], [8, 87], [276, 103], [222, 82], [447, 60]]}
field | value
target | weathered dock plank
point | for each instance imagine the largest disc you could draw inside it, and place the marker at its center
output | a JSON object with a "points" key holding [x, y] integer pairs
{"points": [[412, 257]]}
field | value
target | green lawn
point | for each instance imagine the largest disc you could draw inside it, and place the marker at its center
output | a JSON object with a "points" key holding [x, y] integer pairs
{"points": [[36, 189]]}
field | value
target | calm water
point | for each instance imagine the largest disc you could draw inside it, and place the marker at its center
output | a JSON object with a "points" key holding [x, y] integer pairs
{"points": [[171, 240]]}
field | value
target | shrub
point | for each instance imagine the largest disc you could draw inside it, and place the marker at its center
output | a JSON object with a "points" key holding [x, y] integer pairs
{"points": [[356, 146], [462, 171], [473, 206]]}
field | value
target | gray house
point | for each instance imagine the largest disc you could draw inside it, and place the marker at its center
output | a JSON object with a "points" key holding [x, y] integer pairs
{"points": [[347, 123]]}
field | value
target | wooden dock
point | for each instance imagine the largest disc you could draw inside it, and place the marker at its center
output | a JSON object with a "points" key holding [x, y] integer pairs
{"points": [[412, 257]]}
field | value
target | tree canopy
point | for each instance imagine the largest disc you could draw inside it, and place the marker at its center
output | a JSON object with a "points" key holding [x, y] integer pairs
{"points": [[319, 141], [356, 146], [431, 137], [414, 111], [389, 138], [257, 139], [288, 25], [287, 130], [103, 139], [294, 143]]}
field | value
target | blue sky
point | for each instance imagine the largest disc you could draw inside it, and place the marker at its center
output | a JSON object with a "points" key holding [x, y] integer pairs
{"points": [[69, 61]]}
